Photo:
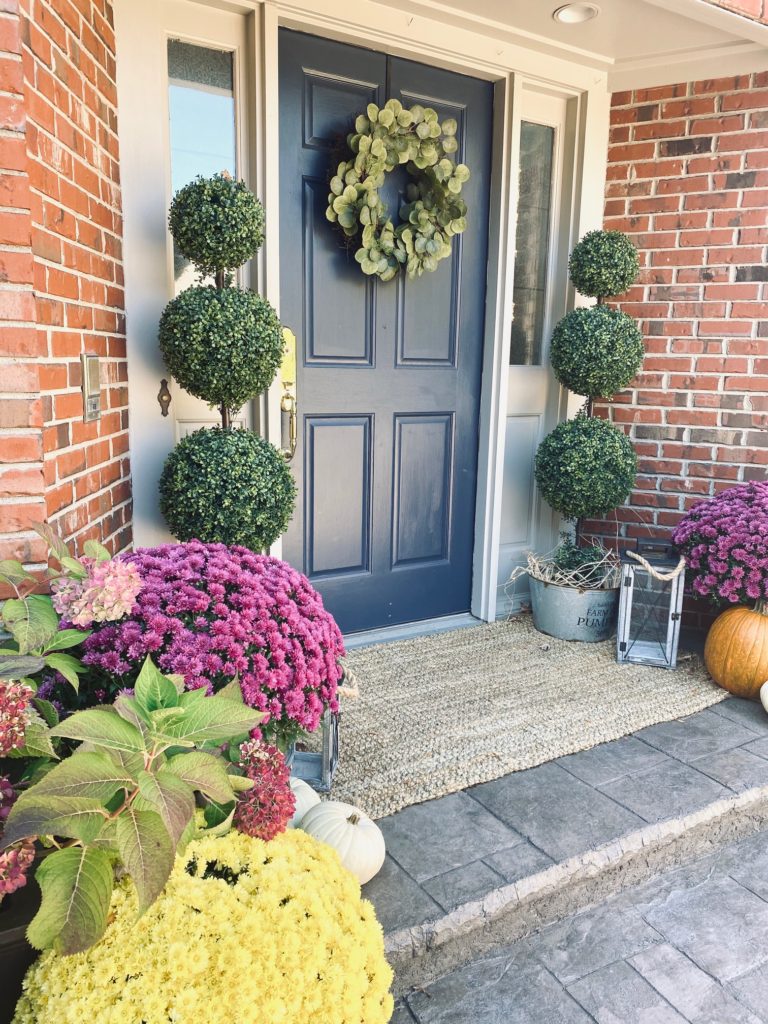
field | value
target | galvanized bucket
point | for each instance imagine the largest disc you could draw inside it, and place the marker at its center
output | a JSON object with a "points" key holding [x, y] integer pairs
{"points": [[571, 614]]}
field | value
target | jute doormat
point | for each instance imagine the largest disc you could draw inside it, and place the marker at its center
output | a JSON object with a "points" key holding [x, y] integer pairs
{"points": [[449, 710]]}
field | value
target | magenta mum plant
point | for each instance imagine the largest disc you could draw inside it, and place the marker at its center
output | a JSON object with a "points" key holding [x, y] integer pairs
{"points": [[725, 543], [213, 613]]}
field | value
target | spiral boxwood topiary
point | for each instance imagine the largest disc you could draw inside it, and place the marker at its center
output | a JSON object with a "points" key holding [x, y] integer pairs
{"points": [[603, 263], [596, 351], [218, 223], [585, 467], [227, 486], [221, 344]]}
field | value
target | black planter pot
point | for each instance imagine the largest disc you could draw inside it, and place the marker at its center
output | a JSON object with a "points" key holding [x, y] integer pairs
{"points": [[16, 954]]}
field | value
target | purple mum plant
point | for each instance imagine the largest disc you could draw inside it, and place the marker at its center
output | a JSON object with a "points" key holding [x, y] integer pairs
{"points": [[213, 613], [725, 543]]}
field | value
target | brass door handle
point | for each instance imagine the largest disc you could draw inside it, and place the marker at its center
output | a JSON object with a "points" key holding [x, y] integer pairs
{"points": [[288, 399]]}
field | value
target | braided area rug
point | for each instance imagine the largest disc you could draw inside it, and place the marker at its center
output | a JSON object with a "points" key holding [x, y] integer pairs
{"points": [[449, 710]]}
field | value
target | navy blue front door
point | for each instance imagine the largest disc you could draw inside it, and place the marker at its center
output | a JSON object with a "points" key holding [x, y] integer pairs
{"points": [[388, 374]]}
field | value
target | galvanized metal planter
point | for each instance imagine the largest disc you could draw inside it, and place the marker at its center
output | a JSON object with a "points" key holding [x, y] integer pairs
{"points": [[569, 613]]}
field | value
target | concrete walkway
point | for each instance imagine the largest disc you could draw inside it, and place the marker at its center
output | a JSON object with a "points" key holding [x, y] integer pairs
{"points": [[688, 946], [539, 844]]}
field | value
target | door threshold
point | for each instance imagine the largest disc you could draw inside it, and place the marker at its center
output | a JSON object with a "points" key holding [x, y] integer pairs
{"points": [[409, 630]]}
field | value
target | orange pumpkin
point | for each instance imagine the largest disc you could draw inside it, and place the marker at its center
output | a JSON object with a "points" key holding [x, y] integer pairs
{"points": [[736, 652]]}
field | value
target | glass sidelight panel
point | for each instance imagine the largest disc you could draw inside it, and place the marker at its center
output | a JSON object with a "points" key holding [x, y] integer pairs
{"points": [[532, 243], [201, 106]]}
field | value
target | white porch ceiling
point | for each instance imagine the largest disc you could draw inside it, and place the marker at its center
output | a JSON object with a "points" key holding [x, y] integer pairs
{"points": [[637, 42]]}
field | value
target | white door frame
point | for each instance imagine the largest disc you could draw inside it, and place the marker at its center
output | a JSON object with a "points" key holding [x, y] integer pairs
{"points": [[369, 24]]}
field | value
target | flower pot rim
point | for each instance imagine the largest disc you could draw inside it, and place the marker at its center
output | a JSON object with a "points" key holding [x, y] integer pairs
{"points": [[579, 590]]}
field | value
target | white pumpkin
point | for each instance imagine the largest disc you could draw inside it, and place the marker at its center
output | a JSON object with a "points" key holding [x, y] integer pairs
{"points": [[358, 840], [306, 797], [764, 695]]}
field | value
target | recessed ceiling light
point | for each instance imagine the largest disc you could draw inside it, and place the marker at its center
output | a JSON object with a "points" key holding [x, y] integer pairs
{"points": [[575, 14]]}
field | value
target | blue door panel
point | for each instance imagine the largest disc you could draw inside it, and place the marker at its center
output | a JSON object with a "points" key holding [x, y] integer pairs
{"points": [[388, 374]]}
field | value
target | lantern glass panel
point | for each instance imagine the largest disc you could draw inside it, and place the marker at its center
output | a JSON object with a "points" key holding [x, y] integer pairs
{"points": [[649, 619]]}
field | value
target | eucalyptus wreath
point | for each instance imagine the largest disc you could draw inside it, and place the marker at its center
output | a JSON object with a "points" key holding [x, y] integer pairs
{"points": [[383, 139]]}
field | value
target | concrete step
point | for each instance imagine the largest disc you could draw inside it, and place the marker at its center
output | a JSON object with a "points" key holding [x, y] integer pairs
{"points": [[474, 871]]}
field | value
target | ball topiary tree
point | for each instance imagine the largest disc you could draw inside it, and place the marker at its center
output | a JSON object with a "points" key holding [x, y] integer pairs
{"points": [[223, 344], [587, 466]]}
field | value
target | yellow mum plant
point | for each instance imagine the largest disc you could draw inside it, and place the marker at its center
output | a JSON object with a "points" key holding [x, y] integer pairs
{"points": [[244, 932]]}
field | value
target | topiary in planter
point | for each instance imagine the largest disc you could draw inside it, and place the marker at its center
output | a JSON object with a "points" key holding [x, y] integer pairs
{"points": [[217, 223], [223, 345], [603, 263], [230, 486], [585, 467], [596, 351]]}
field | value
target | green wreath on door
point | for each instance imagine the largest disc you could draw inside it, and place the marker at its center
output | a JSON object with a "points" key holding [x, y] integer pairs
{"points": [[383, 139]]}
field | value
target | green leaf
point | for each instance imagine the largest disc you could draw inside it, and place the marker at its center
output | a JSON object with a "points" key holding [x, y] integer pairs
{"points": [[216, 719], [47, 711], [240, 783], [18, 666], [146, 851], [232, 691], [153, 690], [129, 710], [172, 798], [37, 742], [192, 696], [102, 726], [92, 549], [129, 761], [53, 540], [219, 815], [13, 572], [31, 621], [90, 774], [202, 771], [69, 817], [76, 886], [68, 666], [73, 567], [66, 638]]}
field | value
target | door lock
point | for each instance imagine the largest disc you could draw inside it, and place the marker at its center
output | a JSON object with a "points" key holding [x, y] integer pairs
{"points": [[288, 399]]}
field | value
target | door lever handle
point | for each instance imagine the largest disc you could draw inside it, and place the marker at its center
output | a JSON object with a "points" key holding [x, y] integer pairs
{"points": [[289, 398]]}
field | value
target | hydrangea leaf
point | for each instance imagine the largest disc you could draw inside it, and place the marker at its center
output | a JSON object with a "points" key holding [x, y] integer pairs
{"points": [[147, 852], [153, 690], [32, 622], [37, 742], [76, 886], [67, 638], [71, 817], [217, 719], [66, 665], [170, 797], [92, 549], [85, 774], [202, 771], [102, 726], [19, 666]]}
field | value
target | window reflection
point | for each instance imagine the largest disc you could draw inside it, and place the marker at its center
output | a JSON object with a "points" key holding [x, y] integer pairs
{"points": [[532, 243], [201, 103]]}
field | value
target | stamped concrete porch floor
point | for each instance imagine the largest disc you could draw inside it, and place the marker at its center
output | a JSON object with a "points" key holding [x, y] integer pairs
{"points": [[467, 872]]}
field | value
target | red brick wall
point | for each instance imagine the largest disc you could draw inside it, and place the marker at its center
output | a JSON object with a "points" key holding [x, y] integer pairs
{"points": [[60, 276], [757, 10], [688, 181]]}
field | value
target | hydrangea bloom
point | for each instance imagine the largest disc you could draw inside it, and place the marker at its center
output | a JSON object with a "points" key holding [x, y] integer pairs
{"points": [[16, 861], [212, 613], [14, 701], [106, 594], [264, 811], [725, 543]]}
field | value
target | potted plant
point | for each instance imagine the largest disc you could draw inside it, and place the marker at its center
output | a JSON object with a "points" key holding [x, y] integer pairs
{"points": [[586, 466], [725, 543], [222, 344]]}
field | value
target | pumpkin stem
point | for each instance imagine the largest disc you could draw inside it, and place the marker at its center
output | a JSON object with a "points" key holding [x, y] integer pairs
{"points": [[761, 606], [353, 819]]}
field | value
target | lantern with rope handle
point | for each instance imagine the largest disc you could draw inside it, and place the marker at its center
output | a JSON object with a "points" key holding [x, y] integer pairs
{"points": [[650, 604]]}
